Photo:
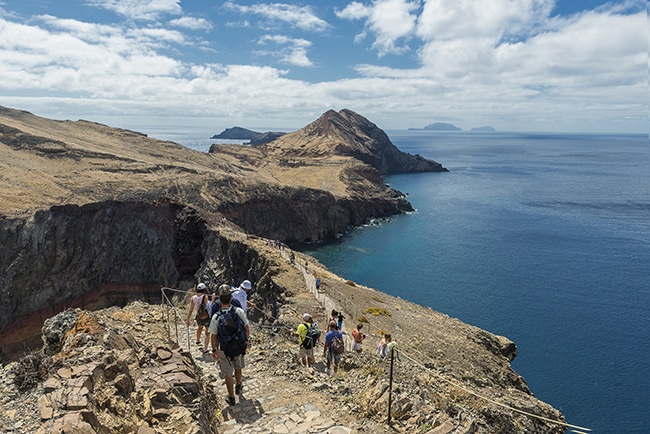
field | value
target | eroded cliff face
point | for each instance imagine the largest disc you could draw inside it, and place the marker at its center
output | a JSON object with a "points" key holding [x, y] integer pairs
{"points": [[302, 214], [105, 254]]}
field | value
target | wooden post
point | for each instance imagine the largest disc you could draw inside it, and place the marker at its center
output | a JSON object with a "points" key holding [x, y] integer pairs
{"points": [[390, 385]]}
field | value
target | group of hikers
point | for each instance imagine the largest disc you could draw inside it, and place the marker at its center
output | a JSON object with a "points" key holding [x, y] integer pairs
{"points": [[222, 317]]}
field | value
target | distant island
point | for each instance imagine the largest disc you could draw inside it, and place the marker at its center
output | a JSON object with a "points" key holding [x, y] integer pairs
{"points": [[485, 129], [254, 138], [443, 126]]}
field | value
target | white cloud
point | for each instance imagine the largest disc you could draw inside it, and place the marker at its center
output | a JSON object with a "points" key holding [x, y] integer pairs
{"points": [[296, 16], [355, 11], [463, 19], [389, 20], [552, 73], [191, 23], [294, 52], [102, 63], [147, 10]]}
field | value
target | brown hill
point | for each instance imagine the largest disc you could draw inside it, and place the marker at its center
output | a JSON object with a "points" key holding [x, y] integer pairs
{"points": [[47, 163], [347, 133]]}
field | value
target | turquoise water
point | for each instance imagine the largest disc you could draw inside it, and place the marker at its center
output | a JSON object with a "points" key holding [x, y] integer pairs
{"points": [[544, 238]]}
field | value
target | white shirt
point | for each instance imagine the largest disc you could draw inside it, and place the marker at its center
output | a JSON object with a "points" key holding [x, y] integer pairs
{"points": [[196, 302], [240, 294]]}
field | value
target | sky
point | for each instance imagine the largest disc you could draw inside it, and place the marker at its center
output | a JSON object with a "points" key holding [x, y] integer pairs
{"points": [[515, 65]]}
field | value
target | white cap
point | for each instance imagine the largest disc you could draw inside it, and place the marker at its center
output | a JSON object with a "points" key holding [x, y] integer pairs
{"points": [[246, 284], [306, 316], [200, 286]]}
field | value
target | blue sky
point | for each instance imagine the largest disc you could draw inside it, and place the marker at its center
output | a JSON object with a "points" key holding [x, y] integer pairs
{"points": [[516, 65]]}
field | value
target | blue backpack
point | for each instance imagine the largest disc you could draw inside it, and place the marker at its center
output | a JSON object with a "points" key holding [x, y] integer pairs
{"points": [[231, 333], [216, 306]]}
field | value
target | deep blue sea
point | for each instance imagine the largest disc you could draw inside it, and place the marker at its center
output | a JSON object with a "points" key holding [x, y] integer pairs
{"points": [[543, 238]]}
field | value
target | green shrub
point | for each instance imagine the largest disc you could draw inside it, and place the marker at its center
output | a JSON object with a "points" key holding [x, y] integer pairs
{"points": [[377, 311]]}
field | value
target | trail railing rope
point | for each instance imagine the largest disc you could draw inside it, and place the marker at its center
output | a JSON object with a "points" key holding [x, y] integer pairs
{"points": [[350, 306], [168, 303]]}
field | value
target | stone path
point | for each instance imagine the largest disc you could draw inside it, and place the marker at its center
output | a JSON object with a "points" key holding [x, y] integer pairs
{"points": [[259, 409]]}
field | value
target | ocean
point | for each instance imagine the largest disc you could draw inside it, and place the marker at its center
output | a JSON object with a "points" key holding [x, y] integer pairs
{"points": [[543, 238]]}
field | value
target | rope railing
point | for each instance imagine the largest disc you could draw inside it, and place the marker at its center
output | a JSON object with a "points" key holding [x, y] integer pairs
{"points": [[167, 302]]}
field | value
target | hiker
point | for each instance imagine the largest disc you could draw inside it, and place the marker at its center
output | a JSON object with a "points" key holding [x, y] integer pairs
{"points": [[334, 316], [307, 343], [358, 338], [329, 351], [339, 321], [382, 347], [229, 343], [317, 282], [215, 306], [198, 308], [242, 297]]}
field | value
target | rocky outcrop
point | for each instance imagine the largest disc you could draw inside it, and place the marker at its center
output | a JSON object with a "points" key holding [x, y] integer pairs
{"points": [[102, 380], [347, 133], [302, 214]]}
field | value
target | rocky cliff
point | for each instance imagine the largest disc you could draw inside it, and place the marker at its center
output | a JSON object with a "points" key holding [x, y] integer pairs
{"points": [[105, 254], [347, 133]]}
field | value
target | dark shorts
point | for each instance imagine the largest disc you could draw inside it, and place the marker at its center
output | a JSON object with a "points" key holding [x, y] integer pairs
{"points": [[202, 321]]}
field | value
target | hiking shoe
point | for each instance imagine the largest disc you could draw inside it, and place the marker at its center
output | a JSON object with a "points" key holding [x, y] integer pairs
{"points": [[198, 343], [327, 371], [231, 400], [238, 389]]}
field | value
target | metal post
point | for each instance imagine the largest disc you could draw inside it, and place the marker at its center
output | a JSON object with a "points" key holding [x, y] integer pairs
{"points": [[390, 385]]}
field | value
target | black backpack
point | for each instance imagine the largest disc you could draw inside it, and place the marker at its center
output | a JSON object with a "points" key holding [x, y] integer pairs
{"points": [[311, 340], [231, 333]]}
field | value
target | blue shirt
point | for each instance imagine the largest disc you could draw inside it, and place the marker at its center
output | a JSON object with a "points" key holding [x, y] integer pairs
{"points": [[330, 335]]}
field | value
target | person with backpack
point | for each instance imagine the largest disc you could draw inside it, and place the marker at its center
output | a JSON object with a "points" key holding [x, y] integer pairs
{"points": [[215, 306], [199, 308], [308, 335], [333, 347], [230, 332]]}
